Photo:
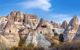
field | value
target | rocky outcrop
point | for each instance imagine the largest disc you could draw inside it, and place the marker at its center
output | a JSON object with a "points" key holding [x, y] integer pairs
{"points": [[20, 29], [23, 34], [16, 16], [64, 24], [77, 36], [71, 29], [11, 34], [4, 43], [10, 29], [31, 21], [3, 22], [48, 31], [37, 39], [55, 25], [45, 27]]}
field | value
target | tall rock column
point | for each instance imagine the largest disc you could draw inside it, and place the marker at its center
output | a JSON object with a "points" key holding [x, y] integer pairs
{"points": [[71, 29], [64, 24]]}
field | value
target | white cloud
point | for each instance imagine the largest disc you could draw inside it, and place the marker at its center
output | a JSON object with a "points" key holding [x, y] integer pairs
{"points": [[40, 4]]}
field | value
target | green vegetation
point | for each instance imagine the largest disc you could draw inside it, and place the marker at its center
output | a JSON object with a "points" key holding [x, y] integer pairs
{"points": [[75, 45], [28, 47], [67, 46]]}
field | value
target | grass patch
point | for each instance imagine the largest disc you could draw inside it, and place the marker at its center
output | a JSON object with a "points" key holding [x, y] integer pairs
{"points": [[75, 45], [28, 47]]}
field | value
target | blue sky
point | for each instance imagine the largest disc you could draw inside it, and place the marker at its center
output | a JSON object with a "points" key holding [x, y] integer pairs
{"points": [[55, 10]]}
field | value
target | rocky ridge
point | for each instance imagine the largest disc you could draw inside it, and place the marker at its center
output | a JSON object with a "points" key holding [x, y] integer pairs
{"points": [[20, 29]]}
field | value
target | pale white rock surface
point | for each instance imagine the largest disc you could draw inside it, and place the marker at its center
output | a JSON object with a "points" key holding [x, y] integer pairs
{"points": [[42, 41], [38, 39], [3, 22]]}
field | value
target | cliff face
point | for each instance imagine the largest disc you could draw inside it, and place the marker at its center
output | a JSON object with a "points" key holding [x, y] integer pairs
{"points": [[12, 25], [71, 29], [20, 29]]}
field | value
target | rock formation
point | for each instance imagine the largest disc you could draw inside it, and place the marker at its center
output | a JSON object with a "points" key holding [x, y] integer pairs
{"points": [[71, 29], [20, 29], [64, 24], [44, 26], [3, 22], [30, 21], [55, 25], [77, 36]]}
